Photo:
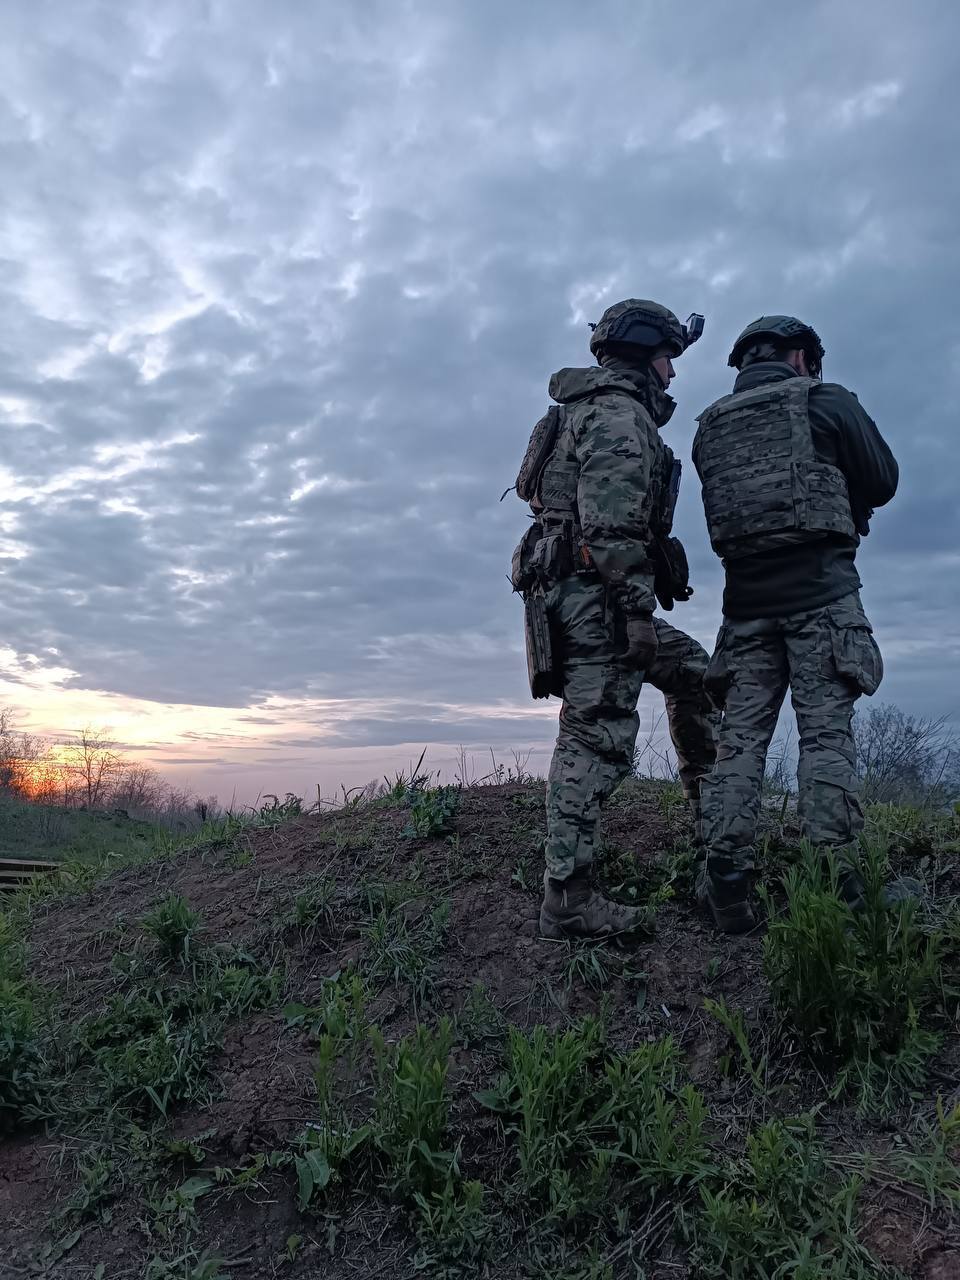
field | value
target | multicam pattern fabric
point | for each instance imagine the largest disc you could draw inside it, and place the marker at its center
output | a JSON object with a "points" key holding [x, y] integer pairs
{"points": [[612, 470], [599, 721], [828, 658], [763, 485]]}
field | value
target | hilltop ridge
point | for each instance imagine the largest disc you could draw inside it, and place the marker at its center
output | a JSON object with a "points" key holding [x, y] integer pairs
{"points": [[332, 1043]]}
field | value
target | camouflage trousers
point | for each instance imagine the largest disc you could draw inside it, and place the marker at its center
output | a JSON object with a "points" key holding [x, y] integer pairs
{"points": [[827, 658], [599, 721]]}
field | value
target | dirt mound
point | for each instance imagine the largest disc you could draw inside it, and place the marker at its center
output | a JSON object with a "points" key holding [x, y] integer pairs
{"points": [[219, 1182]]}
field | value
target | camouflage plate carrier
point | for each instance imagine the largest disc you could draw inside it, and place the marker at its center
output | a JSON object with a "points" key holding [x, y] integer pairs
{"points": [[763, 485]]}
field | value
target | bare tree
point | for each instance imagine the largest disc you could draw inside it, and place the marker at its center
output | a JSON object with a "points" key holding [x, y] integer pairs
{"points": [[906, 759], [22, 756], [138, 789], [94, 766]]}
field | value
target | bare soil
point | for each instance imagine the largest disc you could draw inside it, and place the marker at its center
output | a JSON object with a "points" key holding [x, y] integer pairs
{"points": [[263, 1093]]}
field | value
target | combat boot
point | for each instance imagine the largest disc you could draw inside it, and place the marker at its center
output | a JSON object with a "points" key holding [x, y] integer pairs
{"points": [[852, 891], [727, 896], [572, 908]]}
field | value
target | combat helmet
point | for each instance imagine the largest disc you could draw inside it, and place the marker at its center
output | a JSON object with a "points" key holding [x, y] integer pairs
{"points": [[637, 322], [780, 330]]}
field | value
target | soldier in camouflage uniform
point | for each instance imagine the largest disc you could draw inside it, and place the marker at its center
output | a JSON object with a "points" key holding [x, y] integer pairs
{"points": [[603, 504], [791, 469]]}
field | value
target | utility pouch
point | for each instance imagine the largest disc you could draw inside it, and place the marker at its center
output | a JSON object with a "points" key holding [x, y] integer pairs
{"points": [[544, 680], [671, 572], [523, 574], [553, 558]]}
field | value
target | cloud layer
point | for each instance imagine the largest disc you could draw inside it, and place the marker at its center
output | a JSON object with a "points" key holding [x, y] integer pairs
{"points": [[281, 288]]}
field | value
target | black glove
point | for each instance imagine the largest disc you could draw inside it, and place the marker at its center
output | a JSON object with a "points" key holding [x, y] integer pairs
{"points": [[641, 640]]}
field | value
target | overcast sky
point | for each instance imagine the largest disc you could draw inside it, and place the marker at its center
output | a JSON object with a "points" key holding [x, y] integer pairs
{"points": [[281, 288]]}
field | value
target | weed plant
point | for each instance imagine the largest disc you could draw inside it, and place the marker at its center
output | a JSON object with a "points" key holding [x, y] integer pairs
{"points": [[914, 831], [432, 811], [479, 1021], [340, 1014], [313, 907], [173, 923], [152, 1046], [274, 811], [453, 1229], [411, 1107], [928, 1159], [22, 1062], [778, 1211], [583, 1118], [733, 1021], [332, 1139], [855, 986]]}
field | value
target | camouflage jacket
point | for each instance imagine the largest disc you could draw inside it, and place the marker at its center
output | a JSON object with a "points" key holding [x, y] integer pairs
{"points": [[622, 467]]}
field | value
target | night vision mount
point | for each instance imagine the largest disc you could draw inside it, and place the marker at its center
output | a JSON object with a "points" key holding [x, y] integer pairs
{"points": [[693, 329]]}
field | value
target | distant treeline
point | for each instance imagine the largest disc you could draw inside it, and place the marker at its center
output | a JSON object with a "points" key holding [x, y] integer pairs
{"points": [[89, 771]]}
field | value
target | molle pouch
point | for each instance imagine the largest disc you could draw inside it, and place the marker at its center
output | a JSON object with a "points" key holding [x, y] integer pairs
{"points": [[671, 577], [544, 680], [540, 447], [552, 558], [523, 575]]}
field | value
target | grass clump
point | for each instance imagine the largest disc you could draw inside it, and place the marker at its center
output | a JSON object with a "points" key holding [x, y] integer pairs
{"points": [[22, 1063], [403, 952], [274, 811], [584, 1119], [928, 1158], [312, 908], [153, 1045], [329, 1142], [173, 923], [453, 1228], [780, 1212], [854, 985]]}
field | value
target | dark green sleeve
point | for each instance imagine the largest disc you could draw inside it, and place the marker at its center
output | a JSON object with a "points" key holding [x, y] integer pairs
{"points": [[846, 435]]}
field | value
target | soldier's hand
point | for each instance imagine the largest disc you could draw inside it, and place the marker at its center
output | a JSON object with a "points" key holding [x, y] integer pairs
{"points": [[641, 640]]}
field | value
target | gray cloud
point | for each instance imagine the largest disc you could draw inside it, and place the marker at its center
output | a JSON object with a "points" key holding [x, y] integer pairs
{"points": [[281, 290]]}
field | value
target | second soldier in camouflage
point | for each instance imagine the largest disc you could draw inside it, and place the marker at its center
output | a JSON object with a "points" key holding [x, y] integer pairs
{"points": [[791, 469]]}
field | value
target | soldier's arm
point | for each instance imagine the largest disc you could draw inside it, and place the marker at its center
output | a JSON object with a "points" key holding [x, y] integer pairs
{"points": [[616, 454], [863, 455]]}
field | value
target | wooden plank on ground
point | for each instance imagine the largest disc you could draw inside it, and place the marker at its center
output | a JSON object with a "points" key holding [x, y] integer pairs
{"points": [[17, 872]]}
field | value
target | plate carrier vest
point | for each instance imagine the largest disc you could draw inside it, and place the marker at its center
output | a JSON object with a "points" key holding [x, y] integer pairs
{"points": [[763, 485]]}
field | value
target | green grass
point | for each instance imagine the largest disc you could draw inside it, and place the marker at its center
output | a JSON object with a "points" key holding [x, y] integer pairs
{"points": [[856, 988], [779, 1210], [50, 833], [584, 1118]]}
